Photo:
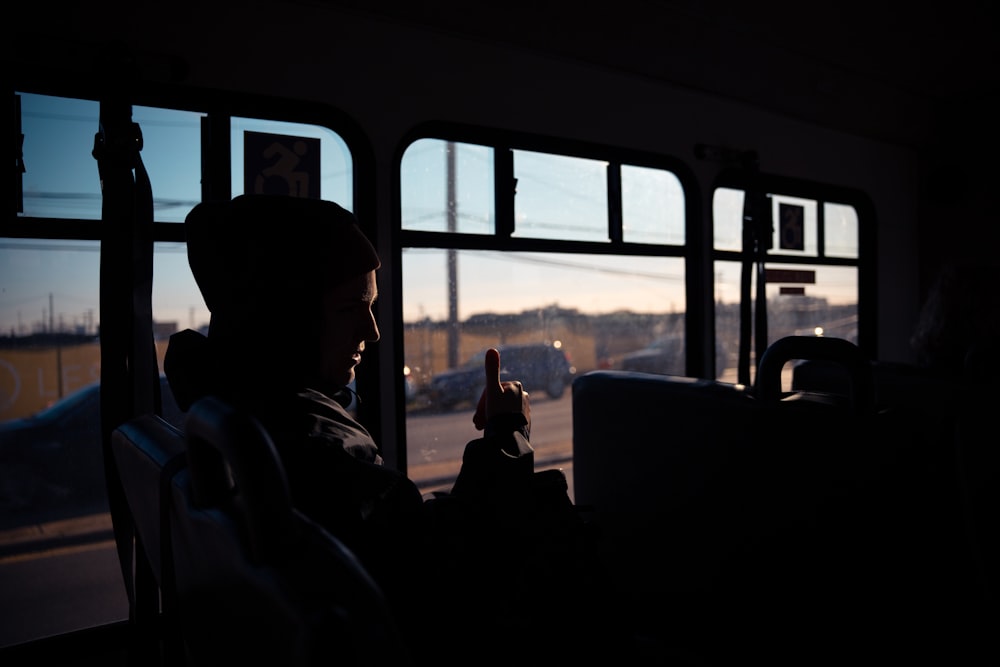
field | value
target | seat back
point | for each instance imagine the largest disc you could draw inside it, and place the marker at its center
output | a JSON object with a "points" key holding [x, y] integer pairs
{"points": [[148, 452], [736, 512], [257, 580], [653, 456]]}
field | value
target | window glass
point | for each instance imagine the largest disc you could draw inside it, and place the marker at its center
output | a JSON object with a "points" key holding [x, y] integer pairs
{"points": [[795, 223], [560, 197], [827, 307], [812, 299], [56, 543], [177, 301], [171, 154], [60, 178], [436, 171], [652, 206], [548, 311], [582, 312], [841, 225], [727, 219], [802, 300], [50, 300], [505, 281]]}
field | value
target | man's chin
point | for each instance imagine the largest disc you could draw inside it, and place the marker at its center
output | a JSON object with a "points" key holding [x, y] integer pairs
{"points": [[338, 380]]}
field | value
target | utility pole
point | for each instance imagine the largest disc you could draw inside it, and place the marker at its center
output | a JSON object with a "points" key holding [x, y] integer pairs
{"points": [[452, 213]]}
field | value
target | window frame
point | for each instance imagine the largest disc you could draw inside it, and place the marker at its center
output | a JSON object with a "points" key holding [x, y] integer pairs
{"points": [[822, 194], [219, 108], [700, 356]]}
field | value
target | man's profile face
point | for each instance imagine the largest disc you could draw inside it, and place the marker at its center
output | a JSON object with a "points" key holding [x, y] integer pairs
{"points": [[348, 323]]}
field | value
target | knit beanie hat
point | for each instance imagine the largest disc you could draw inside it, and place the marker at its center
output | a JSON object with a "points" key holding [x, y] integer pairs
{"points": [[259, 260], [263, 264]]}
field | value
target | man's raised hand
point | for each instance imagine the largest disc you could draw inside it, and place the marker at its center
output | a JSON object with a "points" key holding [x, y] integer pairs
{"points": [[499, 397]]}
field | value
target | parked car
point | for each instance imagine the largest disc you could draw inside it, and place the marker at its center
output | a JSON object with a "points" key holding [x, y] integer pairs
{"points": [[665, 356], [53, 460], [541, 367]]}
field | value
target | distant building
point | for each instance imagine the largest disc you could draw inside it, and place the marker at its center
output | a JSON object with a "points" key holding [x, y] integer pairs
{"points": [[163, 330]]}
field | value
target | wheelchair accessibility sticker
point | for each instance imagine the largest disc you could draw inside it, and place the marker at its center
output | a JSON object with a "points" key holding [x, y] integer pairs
{"points": [[278, 164]]}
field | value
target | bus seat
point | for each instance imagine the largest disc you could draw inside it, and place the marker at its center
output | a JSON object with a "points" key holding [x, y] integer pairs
{"points": [[924, 521], [649, 443], [654, 459], [148, 451], [895, 383], [741, 511], [257, 581], [150, 456]]}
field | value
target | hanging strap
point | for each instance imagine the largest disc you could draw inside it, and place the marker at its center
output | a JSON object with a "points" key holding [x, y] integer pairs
{"points": [[757, 239], [746, 280], [129, 374]]}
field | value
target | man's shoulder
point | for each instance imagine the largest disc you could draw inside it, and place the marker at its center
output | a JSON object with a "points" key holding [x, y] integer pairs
{"points": [[310, 421]]}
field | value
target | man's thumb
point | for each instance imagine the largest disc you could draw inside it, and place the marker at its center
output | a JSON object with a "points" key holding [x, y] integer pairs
{"points": [[492, 368]]}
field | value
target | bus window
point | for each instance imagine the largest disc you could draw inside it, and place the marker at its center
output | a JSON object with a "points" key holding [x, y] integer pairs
{"points": [[840, 231], [428, 172], [171, 154], [60, 175], [54, 508], [53, 499], [811, 269], [583, 280], [560, 197], [652, 206]]}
